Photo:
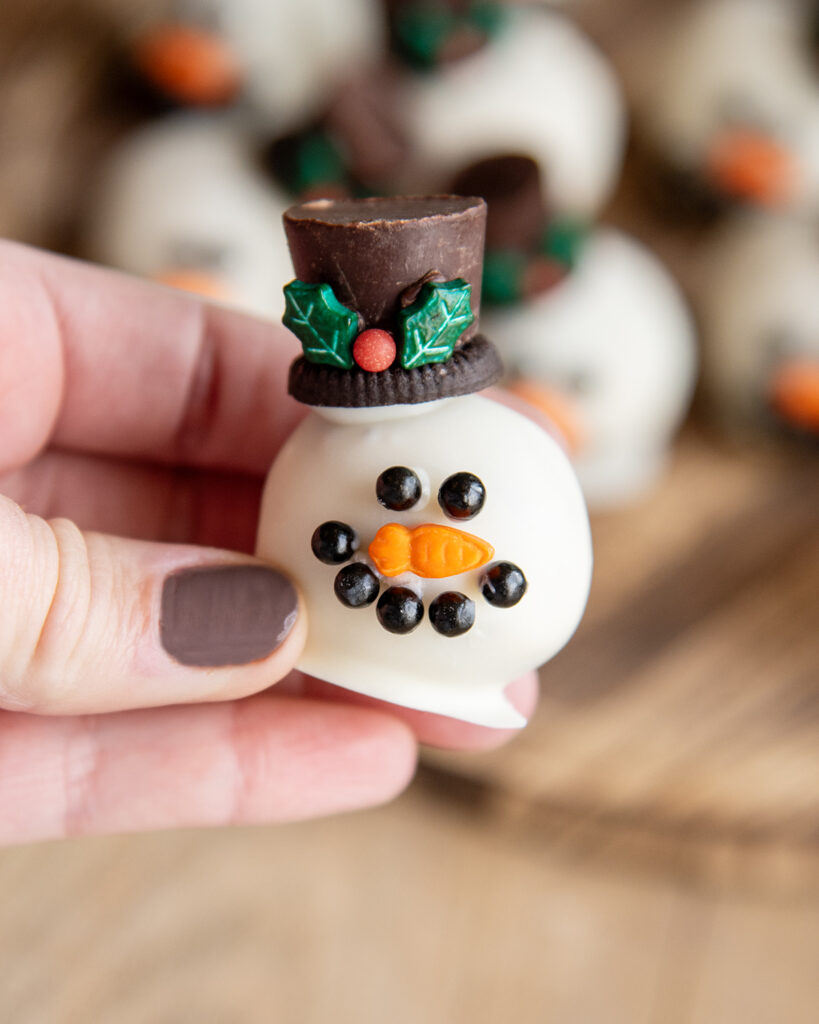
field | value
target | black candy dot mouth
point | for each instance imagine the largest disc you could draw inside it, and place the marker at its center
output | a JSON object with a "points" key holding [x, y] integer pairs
{"points": [[334, 542], [503, 585], [452, 614], [399, 609], [356, 585]]}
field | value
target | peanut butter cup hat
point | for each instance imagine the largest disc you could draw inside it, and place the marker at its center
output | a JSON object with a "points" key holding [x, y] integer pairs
{"points": [[386, 300]]}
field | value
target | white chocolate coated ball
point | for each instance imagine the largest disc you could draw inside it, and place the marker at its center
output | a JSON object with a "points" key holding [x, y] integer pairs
{"points": [[728, 65], [182, 196], [616, 341], [539, 88], [759, 309], [533, 516], [295, 51]]}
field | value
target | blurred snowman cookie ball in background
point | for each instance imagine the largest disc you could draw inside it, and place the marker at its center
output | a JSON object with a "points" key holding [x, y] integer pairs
{"points": [[592, 329], [181, 201], [760, 319], [278, 58], [439, 539], [494, 77], [727, 100]]}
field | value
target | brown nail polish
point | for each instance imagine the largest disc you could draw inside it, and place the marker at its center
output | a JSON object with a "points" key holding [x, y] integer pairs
{"points": [[226, 615]]}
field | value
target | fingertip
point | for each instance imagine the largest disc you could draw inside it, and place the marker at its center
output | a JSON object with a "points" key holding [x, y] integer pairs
{"points": [[339, 758], [450, 734], [245, 619], [524, 694]]}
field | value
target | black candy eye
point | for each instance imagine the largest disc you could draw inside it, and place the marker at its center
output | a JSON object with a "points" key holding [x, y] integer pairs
{"points": [[399, 610], [398, 489], [356, 585], [462, 496], [334, 543], [452, 614], [503, 585]]}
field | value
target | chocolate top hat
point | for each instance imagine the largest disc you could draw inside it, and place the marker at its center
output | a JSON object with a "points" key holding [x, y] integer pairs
{"points": [[386, 300], [528, 249]]}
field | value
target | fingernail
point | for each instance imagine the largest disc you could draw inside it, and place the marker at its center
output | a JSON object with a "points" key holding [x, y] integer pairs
{"points": [[226, 615]]}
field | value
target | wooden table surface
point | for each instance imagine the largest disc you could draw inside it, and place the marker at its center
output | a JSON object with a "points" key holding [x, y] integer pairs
{"points": [[681, 725], [647, 851], [419, 913]]}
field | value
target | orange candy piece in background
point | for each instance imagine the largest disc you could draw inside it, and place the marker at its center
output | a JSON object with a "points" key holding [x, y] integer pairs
{"points": [[794, 393], [190, 65]]}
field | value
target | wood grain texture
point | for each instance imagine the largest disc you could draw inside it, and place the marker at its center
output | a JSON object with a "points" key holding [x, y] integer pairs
{"points": [[414, 913], [684, 716]]}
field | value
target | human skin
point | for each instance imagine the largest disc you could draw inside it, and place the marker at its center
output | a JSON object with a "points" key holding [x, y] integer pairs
{"points": [[136, 426]]}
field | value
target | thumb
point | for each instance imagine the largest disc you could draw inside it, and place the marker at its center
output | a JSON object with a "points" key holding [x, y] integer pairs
{"points": [[93, 623]]}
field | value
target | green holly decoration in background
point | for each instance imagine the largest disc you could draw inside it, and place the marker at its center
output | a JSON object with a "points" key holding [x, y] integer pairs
{"points": [[325, 327], [433, 323], [315, 161], [503, 271], [422, 28], [563, 241], [420, 32]]}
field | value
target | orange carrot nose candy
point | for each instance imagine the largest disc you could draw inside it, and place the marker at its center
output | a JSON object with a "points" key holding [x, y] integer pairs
{"points": [[794, 393], [752, 166], [196, 281], [189, 64], [391, 550], [430, 551]]}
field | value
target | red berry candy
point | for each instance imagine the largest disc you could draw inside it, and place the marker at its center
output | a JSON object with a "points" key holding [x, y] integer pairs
{"points": [[374, 350]]}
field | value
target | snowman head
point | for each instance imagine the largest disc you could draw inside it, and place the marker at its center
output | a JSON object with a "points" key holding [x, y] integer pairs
{"points": [[762, 325], [734, 102], [281, 57], [592, 329], [439, 539], [531, 255], [181, 202]]}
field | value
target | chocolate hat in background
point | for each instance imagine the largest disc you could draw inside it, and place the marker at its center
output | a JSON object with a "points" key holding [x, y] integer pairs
{"points": [[528, 250], [354, 147], [386, 300]]}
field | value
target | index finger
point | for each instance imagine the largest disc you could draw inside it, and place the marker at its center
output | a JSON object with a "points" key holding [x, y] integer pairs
{"points": [[96, 361]]}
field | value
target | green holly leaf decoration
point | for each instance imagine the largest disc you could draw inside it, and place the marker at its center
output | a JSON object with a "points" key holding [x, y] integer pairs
{"points": [[325, 327], [433, 323]]}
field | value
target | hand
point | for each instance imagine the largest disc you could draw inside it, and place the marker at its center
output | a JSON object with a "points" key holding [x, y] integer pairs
{"points": [[130, 411]]}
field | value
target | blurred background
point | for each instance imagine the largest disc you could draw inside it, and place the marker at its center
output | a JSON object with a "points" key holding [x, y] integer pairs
{"points": [[648, 849]]}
